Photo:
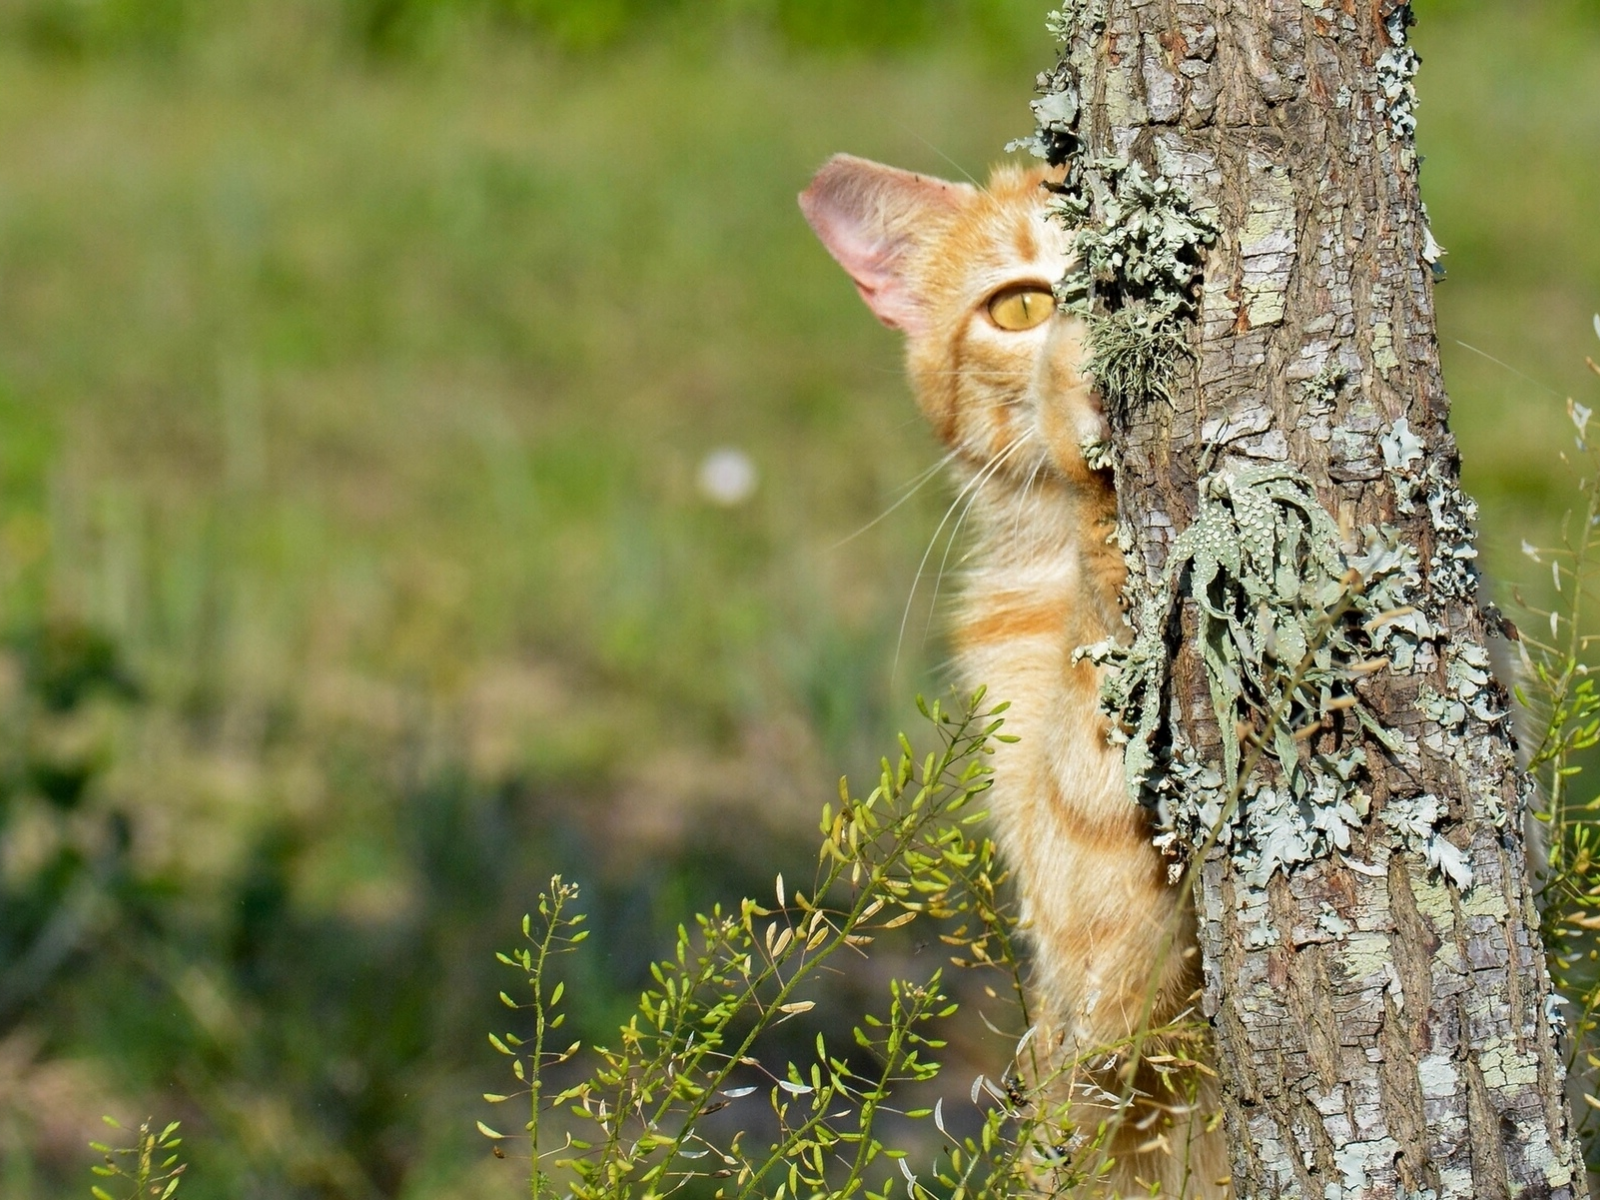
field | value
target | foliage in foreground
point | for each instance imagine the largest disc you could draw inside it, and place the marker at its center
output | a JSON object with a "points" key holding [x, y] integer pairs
{"points": [[1562, 704], [149, 1168], [685, 1097]]}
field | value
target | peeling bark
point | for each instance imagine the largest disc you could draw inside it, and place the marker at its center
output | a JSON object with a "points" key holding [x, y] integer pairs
{"points": [[1381, 1031]]}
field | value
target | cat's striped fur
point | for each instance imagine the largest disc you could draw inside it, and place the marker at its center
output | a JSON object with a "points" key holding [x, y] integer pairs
{"points": [[928, 257]]}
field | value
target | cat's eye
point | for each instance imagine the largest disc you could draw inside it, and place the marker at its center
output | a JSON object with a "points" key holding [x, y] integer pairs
{"points": [[1019, 308]]}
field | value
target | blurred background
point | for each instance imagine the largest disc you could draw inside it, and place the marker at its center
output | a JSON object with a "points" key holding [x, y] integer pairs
{"points": [[429, 440]]}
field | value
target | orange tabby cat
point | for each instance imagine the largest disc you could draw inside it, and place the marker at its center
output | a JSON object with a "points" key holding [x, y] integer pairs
{"points": [[965, 274]]}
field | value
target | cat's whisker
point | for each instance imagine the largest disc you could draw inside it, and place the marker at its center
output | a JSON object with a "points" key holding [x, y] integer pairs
{"points": [[905, 616], [971, 493], [1538, 383], [955, 531], [922, 476], [1022, 501], [975, 183], [911, 489]]}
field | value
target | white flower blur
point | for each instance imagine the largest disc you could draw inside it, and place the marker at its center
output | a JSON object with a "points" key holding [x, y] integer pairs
{"points": [[727, 476]]}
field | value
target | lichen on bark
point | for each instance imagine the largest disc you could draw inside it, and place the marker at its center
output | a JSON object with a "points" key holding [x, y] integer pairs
{"points": [[1289, 622], [1136, 255]]}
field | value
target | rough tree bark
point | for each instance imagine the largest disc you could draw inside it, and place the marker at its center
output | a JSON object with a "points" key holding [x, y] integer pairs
{"points": [[1381, 1008]]}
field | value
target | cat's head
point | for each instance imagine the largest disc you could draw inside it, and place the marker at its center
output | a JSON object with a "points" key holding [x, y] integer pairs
{"points": [[965, 273]]}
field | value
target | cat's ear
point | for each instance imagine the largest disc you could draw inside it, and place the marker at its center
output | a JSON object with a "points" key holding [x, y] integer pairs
{"points": [[868, 216]]}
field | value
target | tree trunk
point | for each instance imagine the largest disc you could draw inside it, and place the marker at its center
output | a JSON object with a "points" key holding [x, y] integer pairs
{"points": [[1383, 1017]]}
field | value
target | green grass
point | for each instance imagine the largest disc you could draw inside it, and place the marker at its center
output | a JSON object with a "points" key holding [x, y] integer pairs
{"points": [[359, 404], [1511, 138]]}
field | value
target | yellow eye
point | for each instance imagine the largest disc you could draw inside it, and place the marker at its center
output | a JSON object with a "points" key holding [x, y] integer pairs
{"points": [[1019, 308]]}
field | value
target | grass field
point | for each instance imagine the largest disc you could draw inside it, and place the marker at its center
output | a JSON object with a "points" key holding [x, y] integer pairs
{"points": [[354, 565]]}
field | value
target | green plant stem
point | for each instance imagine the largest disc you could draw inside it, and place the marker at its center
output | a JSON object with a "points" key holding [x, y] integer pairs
{"points": [[908, 829], [536, 1178], [818, 1116], [869, 1109], [1551, 748]]}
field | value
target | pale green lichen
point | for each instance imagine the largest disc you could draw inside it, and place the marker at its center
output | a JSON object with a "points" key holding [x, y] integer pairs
{"points": [[1133, 356], [1470, 692], [1260, 936], [1436, 903], [1432, 251], [1416, 819], [1055, 119], [1401, 448], [1288, 623], [1450, 715], [1505, 1065], [1267, 244], [1396, 71], [1263, 561], [1352, 1160], [1137, 256], [1396, 68], [1099, 454], [1369, 955], [1145, 244], [1383, 356], [1322, 389], [1055, 113], [1274, 826], [1255, 918], [1075, 16], [1330, 922], [1451, 568], [1471, 679]]}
